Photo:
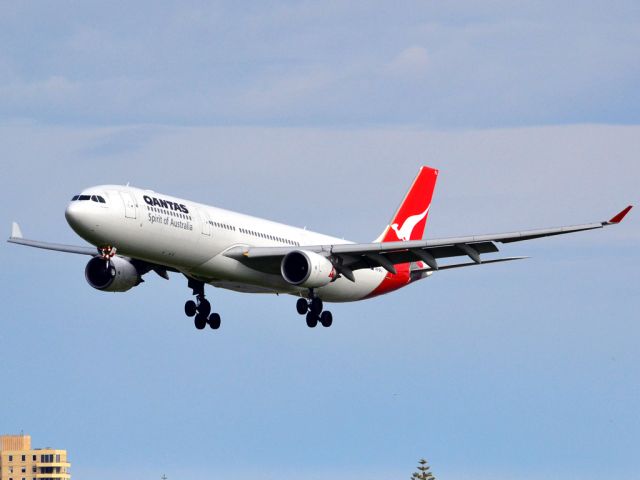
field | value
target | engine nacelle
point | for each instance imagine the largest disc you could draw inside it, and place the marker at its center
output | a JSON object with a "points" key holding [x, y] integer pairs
{"points": [[120, 276], [307, 269]]}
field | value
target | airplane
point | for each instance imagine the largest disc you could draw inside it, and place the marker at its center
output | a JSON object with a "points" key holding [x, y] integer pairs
{"points": [[135, 231]]}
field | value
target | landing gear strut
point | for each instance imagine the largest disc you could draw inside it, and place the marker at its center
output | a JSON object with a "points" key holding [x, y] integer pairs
{"points": [[312, 308], [201, 311]]}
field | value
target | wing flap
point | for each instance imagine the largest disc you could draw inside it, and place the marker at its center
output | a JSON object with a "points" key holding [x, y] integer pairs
{"points": [[469, 264]]}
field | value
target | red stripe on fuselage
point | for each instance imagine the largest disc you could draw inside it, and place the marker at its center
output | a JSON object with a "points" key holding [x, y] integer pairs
{"points": [[392, 281]]}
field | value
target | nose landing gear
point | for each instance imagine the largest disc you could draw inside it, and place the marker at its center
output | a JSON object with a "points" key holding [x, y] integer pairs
{"points": [[312, 308], [201, 311]]}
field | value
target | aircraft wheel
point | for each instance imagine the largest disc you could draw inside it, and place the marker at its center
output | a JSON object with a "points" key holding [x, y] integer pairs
{"points": [[190, 308], [326, 319], [302, 306], [312, 320], [204, 308], [200, 321], [316, 306], [214, 321]]}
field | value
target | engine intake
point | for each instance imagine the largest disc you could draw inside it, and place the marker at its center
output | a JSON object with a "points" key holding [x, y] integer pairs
{"points": [[307, 269], [121, 275]]}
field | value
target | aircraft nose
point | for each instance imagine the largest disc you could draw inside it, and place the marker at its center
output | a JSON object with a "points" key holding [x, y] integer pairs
{"points": [[76, 215]]}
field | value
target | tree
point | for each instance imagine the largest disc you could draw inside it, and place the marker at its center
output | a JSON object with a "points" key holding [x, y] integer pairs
{"points": [[423, 472]]}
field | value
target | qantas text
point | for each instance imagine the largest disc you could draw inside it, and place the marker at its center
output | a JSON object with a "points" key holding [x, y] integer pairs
{"points": [[178, 207]]}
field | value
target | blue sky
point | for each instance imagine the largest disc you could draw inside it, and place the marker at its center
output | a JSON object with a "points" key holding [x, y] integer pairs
{"points": [[440, 64], [319, 115]]}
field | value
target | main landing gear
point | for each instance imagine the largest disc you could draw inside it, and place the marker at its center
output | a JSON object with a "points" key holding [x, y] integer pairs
{"points": [[201, 311], [312, 308]]}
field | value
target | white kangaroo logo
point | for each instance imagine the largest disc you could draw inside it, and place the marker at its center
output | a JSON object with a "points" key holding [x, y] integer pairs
{"points": [[404, 232]]}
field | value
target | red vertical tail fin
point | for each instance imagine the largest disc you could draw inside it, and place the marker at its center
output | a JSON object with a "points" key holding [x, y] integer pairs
{"points": [[410, 219]]}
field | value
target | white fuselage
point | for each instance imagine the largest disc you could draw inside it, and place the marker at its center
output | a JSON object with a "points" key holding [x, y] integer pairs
{"points": [[192, 238]]}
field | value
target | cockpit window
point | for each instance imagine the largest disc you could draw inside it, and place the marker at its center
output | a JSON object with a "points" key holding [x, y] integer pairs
{"points": [[93, 198]]}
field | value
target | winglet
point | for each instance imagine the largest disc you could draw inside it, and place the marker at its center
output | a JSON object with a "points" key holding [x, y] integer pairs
{"points": [[618, 218], [15, 230]]}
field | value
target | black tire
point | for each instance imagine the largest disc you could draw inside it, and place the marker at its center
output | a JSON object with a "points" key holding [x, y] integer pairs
{"points": [[200, 321], [326, 319], [302, 305], [312, 320], [214, 321], [204, 308], [190, 308], [316, 306]]}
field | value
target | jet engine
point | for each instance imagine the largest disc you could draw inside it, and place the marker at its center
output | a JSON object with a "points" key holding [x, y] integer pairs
{"points": [[115, 275], [307, 269]]}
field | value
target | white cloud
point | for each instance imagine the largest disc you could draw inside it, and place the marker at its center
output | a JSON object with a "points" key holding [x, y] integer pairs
{"points": [[412, 62], [54, 89], [338, 63], [284, 91]]}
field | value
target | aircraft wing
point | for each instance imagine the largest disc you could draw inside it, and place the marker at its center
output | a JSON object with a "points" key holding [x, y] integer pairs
{"points": [[354, 256], [143, 267], [16, 237]]}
